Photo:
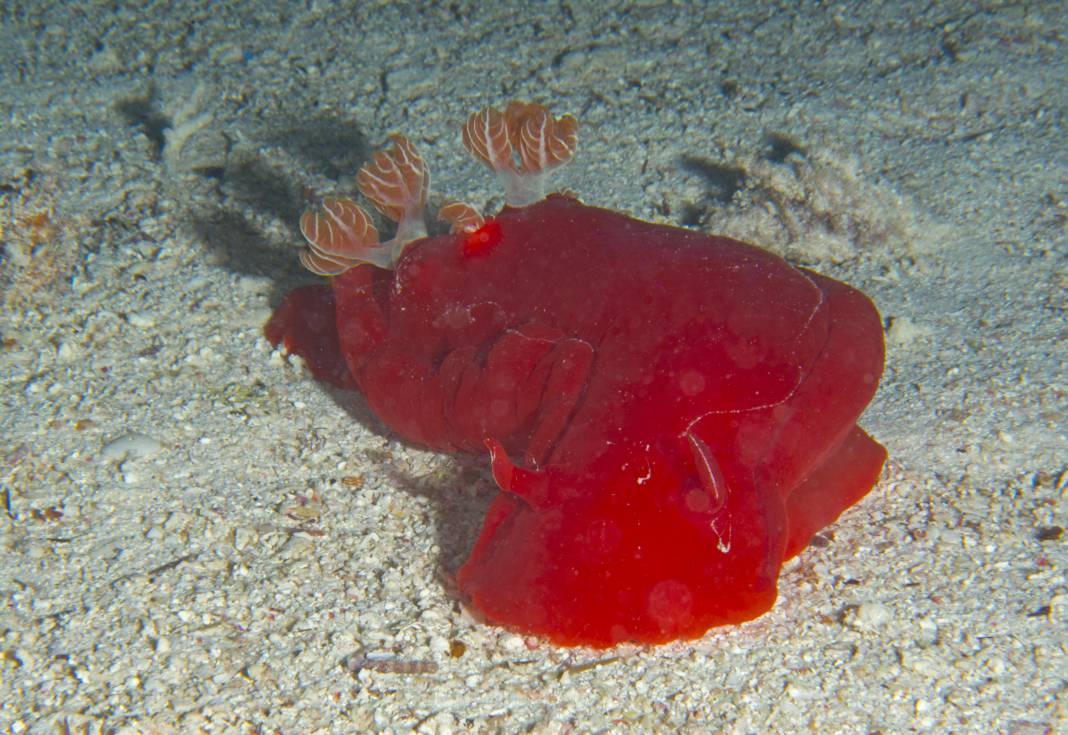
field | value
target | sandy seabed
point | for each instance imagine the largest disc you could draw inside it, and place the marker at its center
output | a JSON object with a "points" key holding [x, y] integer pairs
{"points": [[197, 537]]}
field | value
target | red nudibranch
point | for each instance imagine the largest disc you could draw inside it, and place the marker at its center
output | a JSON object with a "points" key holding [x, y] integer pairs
{"points": [[669, 415]]}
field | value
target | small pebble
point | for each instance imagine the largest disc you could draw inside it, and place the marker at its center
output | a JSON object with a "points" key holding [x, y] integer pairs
{"points": [[870, 616], [903, 331], [296, 547], [141, 321], [130, 446], [68, 352], [512, 643], [438, 645]]}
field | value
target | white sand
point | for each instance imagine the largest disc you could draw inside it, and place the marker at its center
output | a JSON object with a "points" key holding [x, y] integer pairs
{"points": [[181, 550]]}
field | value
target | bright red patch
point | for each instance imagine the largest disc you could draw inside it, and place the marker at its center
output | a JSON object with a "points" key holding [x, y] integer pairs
{"points": [[484, 239]]}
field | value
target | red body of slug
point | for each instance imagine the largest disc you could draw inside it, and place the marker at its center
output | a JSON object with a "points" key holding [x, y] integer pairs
{"points": [[670, 415]]}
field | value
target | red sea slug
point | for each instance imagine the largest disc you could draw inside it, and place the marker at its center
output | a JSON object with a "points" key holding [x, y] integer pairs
{"points": [[669, 415]]}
